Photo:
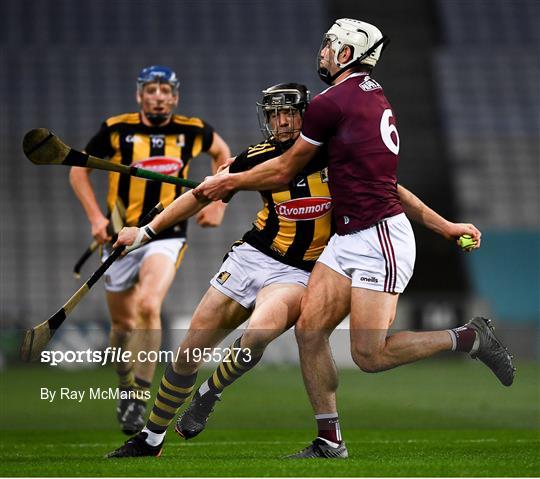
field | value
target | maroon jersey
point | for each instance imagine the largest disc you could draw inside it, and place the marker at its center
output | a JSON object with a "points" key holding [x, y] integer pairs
{"points": [[355, 120]]}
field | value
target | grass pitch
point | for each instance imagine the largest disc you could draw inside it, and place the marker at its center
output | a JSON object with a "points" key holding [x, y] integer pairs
{"points": [[437, 418]]}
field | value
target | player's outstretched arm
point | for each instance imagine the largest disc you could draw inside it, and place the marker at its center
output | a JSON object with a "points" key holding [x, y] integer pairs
{"points": [[420, 213], [180, 209], [278, 171], [267, 176]]}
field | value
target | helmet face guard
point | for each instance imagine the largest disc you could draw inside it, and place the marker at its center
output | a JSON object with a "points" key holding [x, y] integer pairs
{"points": [[279, 99], [365, 41], [327, 42]]}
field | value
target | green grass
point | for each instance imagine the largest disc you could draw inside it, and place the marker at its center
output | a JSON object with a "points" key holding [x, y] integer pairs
{"points": [[252, 452], [437, 418]]}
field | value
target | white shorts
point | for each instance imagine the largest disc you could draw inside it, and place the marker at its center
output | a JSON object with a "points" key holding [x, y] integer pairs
{"points": [[124, 272], [380, 258], [246, 271]]}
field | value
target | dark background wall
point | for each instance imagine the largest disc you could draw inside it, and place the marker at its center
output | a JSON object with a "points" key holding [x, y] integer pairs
{"points": [[406, 74], [68, 65]]}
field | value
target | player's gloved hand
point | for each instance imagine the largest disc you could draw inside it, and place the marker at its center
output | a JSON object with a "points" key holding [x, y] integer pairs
{"points": [[134, 238]]}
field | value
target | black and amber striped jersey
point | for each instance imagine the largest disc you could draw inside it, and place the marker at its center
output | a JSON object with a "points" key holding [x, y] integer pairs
{"points": [[295, 222], [166, 149]]}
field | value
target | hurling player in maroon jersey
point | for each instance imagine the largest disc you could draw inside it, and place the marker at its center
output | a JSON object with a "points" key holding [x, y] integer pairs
{"points": [[371, 258]]}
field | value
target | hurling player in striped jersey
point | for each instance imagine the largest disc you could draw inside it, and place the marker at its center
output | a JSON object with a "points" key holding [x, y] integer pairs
{"points": [[152, 138]]}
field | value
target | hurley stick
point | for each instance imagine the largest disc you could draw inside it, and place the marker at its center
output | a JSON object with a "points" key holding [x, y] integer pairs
{"points": [[42, 147], [37, 338]]}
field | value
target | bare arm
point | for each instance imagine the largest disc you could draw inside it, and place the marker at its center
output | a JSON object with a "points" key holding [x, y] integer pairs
{"points": [[180, 209], [80, 182], [219, 151], [420, 213], [267, 176], [212, 215], [277, 171]]}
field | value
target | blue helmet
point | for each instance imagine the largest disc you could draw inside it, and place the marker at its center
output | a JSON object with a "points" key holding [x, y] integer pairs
{"points": [[159, 74]]}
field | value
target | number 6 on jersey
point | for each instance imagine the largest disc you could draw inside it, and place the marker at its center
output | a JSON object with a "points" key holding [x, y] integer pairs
{"points": [[387, 129]]}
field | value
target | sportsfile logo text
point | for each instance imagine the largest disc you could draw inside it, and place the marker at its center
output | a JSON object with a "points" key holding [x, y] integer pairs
{"points": [[112, 355]]}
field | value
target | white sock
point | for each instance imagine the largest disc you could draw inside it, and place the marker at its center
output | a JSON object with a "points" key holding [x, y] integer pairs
{"points": [[454, 339], [476, 344], [330, 443], [205, 388], [154, 438]]}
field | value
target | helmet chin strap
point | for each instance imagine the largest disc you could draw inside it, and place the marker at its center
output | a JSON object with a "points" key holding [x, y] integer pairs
{"points": [[325, 76]]}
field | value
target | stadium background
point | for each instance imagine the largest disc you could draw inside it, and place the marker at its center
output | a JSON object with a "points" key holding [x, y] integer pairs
{"points": [[463, 79]]}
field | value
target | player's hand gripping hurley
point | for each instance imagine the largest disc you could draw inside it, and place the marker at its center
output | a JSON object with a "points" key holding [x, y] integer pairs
{"points": [[36, 339], [116, 223]]}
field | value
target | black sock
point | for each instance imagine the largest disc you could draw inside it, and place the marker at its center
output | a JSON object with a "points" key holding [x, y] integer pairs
{"points": [[174, 390], [233, 366]]}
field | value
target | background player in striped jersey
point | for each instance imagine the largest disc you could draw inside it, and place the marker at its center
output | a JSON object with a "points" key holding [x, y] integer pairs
{"points": [[370, 260], [264, 277], [153, 138]]}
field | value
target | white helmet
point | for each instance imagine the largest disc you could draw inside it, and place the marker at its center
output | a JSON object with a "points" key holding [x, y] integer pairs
{"points": [[366, 40]]}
